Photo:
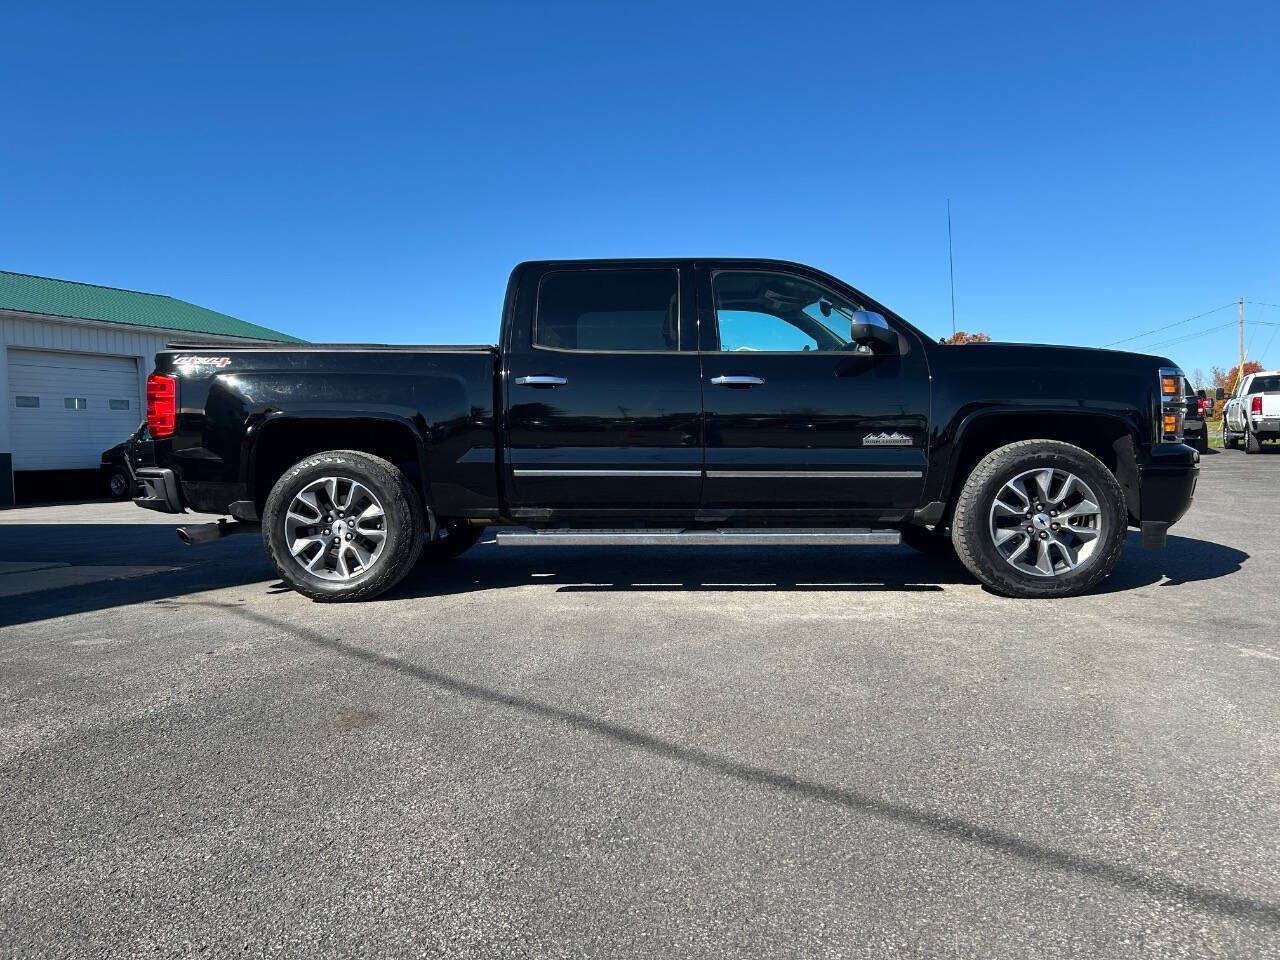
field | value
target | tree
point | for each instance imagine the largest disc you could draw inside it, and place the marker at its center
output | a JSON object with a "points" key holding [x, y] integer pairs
{"points": [[1197, 379], [1226, 379], [960, 337]]}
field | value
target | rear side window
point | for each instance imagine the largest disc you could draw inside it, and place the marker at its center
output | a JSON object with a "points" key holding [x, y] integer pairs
{"points": [[636, 310]]}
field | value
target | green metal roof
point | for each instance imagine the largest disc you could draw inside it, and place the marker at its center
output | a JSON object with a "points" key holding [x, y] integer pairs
{"points": [[87, 301]]}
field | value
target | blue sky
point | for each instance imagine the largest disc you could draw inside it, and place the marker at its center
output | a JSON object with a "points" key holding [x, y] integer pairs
{"points": [[372, 172]]}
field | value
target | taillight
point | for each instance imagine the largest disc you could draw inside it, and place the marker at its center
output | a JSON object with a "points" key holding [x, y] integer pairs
{"points": [[162, 405], [1255, 405]]}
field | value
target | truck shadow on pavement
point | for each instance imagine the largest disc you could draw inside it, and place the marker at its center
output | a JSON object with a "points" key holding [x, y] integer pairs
{"points": [[956, 829], [239, 561], [788, 569]]}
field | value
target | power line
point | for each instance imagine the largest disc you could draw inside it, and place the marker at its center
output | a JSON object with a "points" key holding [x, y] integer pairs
{"points": [[1259, 303], [1139, 336], [1269, 342], [1191, 336]]}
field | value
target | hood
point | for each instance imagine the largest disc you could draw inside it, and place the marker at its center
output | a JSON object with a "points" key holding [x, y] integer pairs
{"points": [[997, 355]]}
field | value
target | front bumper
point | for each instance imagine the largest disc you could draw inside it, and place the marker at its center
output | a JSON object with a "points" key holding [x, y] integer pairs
{"points": [[1167, 484], [158, 490]]}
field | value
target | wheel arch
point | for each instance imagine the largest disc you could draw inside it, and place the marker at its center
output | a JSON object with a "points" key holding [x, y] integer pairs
{"points": [[1111, 437], [281, 440]]}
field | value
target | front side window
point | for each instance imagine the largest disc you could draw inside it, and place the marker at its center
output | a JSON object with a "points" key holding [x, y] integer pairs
{"points": [[778, 312], [609, 310]]}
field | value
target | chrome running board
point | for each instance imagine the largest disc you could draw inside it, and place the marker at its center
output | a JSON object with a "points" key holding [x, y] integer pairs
{"points": [[817, 537]]}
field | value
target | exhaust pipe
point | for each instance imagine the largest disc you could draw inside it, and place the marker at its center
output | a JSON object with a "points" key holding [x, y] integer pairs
{"points": [[205, 532]]}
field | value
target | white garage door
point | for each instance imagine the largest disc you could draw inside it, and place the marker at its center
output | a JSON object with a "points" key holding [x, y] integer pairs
{"points": [[66, 408]]}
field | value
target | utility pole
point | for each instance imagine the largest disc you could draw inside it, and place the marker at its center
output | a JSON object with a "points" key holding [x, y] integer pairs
{"points": [[1241, 373]]}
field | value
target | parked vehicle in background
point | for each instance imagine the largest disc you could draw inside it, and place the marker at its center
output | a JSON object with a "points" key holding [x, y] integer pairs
{"points": [[115, 469], [1252, 415], [1199, 408], [674, 402]]}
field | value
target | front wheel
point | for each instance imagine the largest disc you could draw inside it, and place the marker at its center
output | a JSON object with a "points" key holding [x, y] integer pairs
{"points": [[1040, 518], [343, 525]]}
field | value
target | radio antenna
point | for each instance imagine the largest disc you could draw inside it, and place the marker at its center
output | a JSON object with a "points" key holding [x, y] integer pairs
{"points": [[951, 266]]}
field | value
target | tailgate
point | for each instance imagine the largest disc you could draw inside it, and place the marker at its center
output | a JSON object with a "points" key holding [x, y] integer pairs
{"points": [[1271, 405]]}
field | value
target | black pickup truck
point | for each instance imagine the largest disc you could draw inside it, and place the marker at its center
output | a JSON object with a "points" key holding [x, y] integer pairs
{"points": [[690, 401]]}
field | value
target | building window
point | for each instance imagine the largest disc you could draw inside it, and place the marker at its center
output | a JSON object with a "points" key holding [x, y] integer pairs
{"points": [[75, 403], [119, 404], [19, 401]]}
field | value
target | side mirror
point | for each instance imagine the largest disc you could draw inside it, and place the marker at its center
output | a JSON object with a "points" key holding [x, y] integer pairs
{"points": [[1220, 394], [872, 330]]}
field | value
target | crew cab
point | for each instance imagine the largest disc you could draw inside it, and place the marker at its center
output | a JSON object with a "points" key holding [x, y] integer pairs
{"points": [[1252, 414], [688, 401]]}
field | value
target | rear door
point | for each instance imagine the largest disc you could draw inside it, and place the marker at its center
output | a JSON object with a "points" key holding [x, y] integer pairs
{"points": [[603, 392], [797, 417]]}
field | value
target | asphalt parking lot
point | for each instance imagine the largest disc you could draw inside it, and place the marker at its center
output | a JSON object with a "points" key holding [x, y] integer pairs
{"points": [[673, 752]]}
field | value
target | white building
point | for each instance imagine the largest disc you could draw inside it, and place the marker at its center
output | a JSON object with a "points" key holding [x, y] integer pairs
{"points": [[74, 359]]}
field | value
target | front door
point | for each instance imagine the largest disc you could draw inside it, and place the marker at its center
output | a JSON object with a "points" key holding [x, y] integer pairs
{"points": [[798, 418], [604, 398]]}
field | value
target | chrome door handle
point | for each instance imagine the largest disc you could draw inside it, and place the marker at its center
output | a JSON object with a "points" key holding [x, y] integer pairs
{"points": [[737, 381], [540, 381]]}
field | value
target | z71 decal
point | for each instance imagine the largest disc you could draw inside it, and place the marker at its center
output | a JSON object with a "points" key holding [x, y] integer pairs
{"points": [[196, 361]]}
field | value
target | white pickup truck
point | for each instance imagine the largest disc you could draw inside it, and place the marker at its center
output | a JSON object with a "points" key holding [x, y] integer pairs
{"points": [[1252, 414]]}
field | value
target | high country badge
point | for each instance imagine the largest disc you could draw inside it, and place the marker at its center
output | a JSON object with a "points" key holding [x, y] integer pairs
{"points": [[894, 439]]}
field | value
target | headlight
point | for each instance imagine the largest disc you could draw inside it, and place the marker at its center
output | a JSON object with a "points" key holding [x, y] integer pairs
{"points": [[1173, 406]]}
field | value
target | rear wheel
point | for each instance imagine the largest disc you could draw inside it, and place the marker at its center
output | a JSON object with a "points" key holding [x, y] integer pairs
{"points": [[1040, 518], [1228, 441], [343, 525]]}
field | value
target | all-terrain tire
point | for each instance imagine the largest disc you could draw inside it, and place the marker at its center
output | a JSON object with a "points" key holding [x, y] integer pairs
{"points": [[970, 525], [1228, 441], [404, 522], [452, 540], [1251, 442]]}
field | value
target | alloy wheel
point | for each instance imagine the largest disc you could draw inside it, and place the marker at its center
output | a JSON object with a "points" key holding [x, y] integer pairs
{"points": [[1045, 522], [335, 528]]}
